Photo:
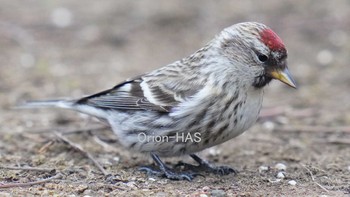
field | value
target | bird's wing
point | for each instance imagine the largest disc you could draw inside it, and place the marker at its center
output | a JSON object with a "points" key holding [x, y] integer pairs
{"points": [[148, 92]]}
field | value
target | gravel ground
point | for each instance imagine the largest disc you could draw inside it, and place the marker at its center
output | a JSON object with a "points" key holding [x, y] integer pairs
{"points": [[299, 147]]}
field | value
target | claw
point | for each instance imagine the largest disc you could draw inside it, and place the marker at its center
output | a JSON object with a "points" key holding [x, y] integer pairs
{"points": [[189, 175], [166, 172], [169, 174], [222, 170], [151, 171], [205, 166]]}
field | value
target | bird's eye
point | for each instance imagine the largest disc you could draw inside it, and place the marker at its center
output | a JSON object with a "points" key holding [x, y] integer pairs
{"points": [[262, 58]]}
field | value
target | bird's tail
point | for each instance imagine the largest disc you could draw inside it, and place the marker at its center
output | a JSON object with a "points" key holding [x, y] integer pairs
{"points": [[67, 104]]}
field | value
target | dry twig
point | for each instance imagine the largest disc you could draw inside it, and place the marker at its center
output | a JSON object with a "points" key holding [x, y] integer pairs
{"points": [[339, 142], [10, 185], [313, 179], [80, 149], [46, 146]]}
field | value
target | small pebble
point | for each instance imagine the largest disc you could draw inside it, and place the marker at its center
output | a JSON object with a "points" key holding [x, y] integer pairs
{"points": [[62, 17], [131, 184], [87, 193], [275, 181], [203, 195], [281, 175], [292, 182], [268, 125], [349, 168], [325, 57], [281, 166], [151, 179], [218, 193], [206, 188], [263, 168], [116, 159], [214, 151], [163, 181]]}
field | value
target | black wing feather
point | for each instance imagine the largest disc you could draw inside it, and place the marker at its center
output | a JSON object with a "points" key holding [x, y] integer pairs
{"points": [[117, 98]]}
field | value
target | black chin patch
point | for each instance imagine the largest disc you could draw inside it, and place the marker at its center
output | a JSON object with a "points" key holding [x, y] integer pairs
{"points": [[261, 81]]}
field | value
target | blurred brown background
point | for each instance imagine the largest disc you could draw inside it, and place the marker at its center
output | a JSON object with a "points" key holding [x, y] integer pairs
{"points": [[65, 48]]}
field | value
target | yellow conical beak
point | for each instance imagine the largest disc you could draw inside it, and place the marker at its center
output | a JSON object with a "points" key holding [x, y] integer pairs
{"points": [[284, 76]]}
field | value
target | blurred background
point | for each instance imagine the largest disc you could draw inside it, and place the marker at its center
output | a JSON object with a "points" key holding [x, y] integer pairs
{"points": [[67, 48]]}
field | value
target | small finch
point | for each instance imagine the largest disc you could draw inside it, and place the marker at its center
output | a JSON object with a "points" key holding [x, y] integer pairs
{"points": [[200, 101]]}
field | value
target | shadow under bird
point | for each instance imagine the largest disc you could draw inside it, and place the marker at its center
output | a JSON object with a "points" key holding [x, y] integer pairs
{"points": [[200, 101]]}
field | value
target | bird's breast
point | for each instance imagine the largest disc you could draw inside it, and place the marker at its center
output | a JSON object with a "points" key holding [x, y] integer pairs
{"points": [[231, 115], [248, 112]]}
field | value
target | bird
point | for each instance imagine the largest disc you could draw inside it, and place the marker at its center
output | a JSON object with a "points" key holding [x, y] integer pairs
{"points": [[199, 101]]}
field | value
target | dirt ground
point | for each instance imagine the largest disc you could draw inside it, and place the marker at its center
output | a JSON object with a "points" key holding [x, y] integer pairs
{"points": [[51, 49]]}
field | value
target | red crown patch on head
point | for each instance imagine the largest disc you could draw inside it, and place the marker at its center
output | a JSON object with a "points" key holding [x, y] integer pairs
{"points": [[271, 40]]}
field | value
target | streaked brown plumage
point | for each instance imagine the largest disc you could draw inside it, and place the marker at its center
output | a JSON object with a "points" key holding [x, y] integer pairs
{"points": [[214, 94]]}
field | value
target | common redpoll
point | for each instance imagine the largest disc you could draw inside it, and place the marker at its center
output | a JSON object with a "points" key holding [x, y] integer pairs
{"points": [[200, 101]]}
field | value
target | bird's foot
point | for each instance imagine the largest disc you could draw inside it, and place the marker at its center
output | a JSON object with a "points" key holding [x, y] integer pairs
{"points": [[168, 173], [220, 170], [207, 167]]}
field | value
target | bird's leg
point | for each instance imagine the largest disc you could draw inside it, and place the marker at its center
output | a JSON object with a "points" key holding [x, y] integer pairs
{"points": [[166, 171], [207, 167]]}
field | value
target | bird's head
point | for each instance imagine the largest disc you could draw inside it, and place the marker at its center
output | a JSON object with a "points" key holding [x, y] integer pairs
{"points": [[262, 51]]}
